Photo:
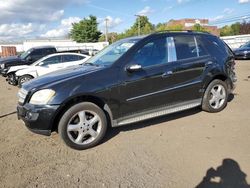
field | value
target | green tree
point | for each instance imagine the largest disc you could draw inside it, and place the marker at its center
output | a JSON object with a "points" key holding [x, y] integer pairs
{"points": [[145, 27], [86, 30], [229, 30], [235, 28], [226, 31], [198, 27], [165, 27]]}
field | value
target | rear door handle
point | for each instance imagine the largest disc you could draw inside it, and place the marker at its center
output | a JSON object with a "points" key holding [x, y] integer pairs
{"points": [[166, 74]]}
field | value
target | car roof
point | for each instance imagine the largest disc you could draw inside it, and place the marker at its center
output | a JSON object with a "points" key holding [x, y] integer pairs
{"points": [[42, 47], [66, 53]]}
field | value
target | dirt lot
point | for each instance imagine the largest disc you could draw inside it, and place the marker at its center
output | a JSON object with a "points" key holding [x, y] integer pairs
{"points": [[173, 151]]}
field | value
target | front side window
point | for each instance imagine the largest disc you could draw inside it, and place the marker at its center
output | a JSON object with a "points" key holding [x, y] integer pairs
{"points": [[51, 61], [24, 55], [152, 53], [185, 47]]}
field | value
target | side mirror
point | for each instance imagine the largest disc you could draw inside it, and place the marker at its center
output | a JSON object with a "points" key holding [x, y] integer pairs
{"points": [[134, 68]]}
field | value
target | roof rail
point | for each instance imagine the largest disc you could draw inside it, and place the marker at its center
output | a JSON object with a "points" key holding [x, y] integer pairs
{"points": [[188, 31]]}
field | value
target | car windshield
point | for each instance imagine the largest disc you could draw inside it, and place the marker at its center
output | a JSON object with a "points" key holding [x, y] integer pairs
{"points": [[37, 63], [246, 45], [112, 53], [25, 54]]}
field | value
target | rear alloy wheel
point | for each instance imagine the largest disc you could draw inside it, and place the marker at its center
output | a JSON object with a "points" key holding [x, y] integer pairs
{"points": [[24, 79], [83, 126], [215, 97]]}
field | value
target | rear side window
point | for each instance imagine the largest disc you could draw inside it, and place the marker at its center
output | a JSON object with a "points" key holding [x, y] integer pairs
{"points": [[52, 60], [37, 52], [185, 47], [49, 51], [215, 46], [200, 48], [153, 53]]}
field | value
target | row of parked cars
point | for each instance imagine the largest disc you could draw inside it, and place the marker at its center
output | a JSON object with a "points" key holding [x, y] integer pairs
{"points": [[38, 61], [132, 80]]}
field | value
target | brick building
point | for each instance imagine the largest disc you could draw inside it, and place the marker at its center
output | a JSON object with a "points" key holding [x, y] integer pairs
{"points": [[189, 23]]}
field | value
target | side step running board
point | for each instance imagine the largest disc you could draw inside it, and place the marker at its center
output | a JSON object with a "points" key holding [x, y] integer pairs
{"points": [[157, 112]]}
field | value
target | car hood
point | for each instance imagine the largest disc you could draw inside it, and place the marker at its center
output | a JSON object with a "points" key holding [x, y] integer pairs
{"points": [[17, 68], [60, 76], [9, 59]]}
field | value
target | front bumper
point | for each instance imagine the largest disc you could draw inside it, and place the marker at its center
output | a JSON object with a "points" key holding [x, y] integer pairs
{"points": [[242, 56], [3, 72], [38, 119]]}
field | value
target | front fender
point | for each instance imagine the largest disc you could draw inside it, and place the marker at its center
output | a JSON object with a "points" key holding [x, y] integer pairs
{"points": [[22, 73]]}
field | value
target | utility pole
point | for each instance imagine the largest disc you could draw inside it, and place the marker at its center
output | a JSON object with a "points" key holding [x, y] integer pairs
{"points": [[106, 29], [139, 24]]}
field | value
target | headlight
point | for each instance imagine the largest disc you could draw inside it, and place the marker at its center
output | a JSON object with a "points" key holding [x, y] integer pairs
{"points": [[2, 66], [42, 97]]}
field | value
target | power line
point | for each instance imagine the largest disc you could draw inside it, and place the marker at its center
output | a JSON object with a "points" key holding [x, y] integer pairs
{"points": [[231, 19]]}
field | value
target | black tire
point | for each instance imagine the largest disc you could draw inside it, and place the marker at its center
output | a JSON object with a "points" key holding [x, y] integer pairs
{"points": [[23, 79], [207, 98], [71, 113], [11, 79]]}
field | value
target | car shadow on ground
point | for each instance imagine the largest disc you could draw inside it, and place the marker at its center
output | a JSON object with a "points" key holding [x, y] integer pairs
{"points": [[227, 175], [112, 132]]}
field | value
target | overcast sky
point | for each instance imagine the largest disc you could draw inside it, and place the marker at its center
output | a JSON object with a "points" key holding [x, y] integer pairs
{"points": [[20, 19]]}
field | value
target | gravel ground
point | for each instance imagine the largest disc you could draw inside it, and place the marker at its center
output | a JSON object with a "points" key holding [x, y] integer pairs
{"points": [[174, 151]]}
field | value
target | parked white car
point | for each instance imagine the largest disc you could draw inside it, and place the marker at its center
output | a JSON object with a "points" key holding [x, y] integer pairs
{"points": [[47, 65]]}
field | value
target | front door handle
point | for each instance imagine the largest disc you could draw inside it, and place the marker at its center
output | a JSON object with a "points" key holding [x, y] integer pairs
{"points": [[209, 63], [166, 74]]}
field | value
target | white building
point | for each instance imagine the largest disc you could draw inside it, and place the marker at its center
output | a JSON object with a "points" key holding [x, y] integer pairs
{"points": [[60, 44]]}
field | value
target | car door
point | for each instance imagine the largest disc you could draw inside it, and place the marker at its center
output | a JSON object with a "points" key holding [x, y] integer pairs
{"points": [[146, 78], [49, 65], [191, 62]]}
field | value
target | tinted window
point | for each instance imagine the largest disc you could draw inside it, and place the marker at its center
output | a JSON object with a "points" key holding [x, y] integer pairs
{"points": [[81, 57], [49, 51], [37, 52], [52, 60], [185, 47], [69, 58], [215, 46], [152, 53], [201, 49]]}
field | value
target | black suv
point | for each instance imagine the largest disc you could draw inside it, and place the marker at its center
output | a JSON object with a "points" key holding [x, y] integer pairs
{"points": [[26, 58], [131, 80]]}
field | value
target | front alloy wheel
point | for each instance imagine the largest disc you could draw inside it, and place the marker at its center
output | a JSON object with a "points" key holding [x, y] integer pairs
{"points": [[83, 126], [24, 79]]}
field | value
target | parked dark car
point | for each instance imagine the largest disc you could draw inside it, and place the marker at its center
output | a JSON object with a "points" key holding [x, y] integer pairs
{"points": [[243, 52], [26, 58], [131, 80]]}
